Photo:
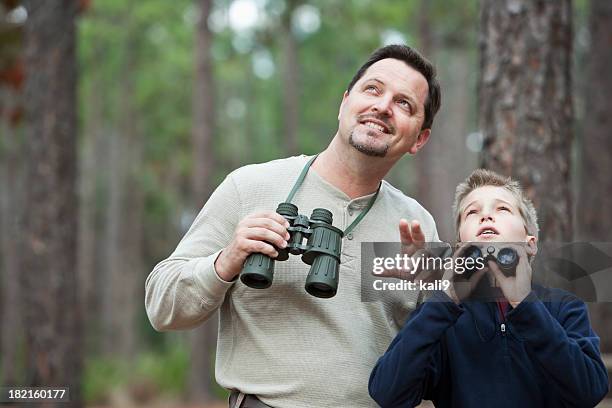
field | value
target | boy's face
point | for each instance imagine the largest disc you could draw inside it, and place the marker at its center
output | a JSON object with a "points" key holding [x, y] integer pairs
{"points": [[491, 214]]}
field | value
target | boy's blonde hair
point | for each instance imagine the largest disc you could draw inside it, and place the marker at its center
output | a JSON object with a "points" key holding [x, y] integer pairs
{"points": [[482, 178]]}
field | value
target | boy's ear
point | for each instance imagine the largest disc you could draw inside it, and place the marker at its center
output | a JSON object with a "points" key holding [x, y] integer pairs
{"points": [[532, 245]]}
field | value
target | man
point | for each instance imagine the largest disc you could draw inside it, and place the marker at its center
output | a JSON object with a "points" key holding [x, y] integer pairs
{"points": [[279, 346]]}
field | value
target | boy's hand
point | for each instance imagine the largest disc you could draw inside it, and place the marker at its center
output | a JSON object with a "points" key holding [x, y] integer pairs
{"points": [[411, 236], [460, 287], [515, 288], [412, 244]]}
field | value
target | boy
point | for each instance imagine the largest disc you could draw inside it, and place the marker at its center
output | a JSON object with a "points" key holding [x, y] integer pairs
{"points": [[535, 349]]}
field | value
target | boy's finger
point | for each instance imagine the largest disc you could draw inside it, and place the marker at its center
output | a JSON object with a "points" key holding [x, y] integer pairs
{"points": [[417, 234], [496, 271], [460, 248], [405, 236], [475, 278]]}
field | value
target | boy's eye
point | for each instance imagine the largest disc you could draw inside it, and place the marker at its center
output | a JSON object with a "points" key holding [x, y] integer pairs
{"points": [[470, 212], [505, 208]]}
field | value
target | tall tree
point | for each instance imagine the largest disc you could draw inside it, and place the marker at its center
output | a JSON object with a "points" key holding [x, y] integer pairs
{"points": [[525, 102], [90, 165], [123, 270], [435, 183], [11, 192], [49, 290], [594, 218], [203, 338], [596, 172], [291, 94]]}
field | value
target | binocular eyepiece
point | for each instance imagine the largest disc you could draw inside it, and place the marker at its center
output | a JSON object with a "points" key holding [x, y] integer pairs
{"points": [[321, 251], [506, 258]]}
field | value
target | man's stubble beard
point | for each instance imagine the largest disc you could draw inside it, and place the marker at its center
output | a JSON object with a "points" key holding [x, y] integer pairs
{"points": [[367, 149]]}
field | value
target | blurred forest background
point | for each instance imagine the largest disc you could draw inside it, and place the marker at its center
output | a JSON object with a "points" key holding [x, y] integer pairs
{"points": [[119, 117]]}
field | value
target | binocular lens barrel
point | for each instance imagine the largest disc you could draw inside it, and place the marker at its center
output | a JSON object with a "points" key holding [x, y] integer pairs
{"points": [[322, 279], [258, 271], [506, 258]]}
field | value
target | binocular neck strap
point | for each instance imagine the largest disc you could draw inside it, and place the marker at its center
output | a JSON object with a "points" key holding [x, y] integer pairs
{"points": [[363, 213], [300, 180]]}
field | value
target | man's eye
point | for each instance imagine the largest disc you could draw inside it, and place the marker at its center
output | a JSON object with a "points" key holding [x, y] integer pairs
{"points": [[404, 104], [371, 88]]}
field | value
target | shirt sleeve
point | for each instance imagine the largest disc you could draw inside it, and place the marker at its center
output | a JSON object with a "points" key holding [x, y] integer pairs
{"points": [[184, 290], [413, 364], [566, 347]]}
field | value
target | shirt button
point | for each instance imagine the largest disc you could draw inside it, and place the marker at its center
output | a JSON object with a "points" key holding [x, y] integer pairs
{"points": [[349, 235], [350, 212]]}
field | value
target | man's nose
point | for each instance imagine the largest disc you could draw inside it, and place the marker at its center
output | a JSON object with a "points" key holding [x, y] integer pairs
{"points": [[383, 105]]}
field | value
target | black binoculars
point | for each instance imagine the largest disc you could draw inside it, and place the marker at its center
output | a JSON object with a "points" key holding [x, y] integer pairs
{"points": [[321, 251], [506, 258]]}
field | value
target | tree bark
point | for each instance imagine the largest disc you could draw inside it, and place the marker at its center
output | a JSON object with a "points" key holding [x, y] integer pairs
{"points": [[594, 217], [203, 339], [11, 192], [525, 102], [48, 278]]}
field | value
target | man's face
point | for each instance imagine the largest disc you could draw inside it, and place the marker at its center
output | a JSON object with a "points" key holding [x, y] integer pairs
{"points": [[491, 214], [384, 111]]}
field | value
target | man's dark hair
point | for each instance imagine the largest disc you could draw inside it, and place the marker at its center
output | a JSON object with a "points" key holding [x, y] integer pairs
{"points": [[415, 60]]}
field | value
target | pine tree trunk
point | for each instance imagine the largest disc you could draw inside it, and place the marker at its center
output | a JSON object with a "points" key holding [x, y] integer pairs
{"points": [[123, 239], [89, 238], [436, 183], [203, 339], [525, 102], [49, 288], [291, 94], [11, 192], [595, 192]]}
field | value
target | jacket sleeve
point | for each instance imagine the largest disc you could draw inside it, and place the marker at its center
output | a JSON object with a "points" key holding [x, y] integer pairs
{"points": [[413, 364], [566, 347], [184, 290]]}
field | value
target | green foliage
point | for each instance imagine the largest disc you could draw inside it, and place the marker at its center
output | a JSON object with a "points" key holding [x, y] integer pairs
{"points": [[165, 373]]}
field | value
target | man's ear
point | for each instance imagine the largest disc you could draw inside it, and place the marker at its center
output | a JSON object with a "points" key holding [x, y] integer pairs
{"points": [[422, 138], [342, 103]]}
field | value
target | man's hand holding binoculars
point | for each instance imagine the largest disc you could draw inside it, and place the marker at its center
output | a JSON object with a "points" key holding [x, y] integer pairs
{"points": [[258, 232]]}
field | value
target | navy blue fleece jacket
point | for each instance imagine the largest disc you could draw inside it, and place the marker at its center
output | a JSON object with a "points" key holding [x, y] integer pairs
{"points": [[543, 354]]}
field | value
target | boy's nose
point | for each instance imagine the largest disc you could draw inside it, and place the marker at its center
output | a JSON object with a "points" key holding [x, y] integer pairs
{"points": [[486, 217]]}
